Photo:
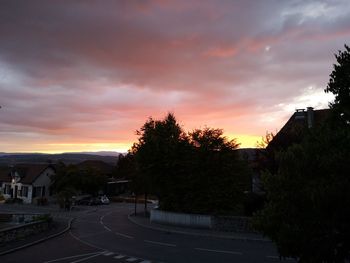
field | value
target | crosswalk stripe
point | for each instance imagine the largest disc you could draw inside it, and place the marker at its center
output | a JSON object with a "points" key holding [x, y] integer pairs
{"points": [[119, 256], [131, 259], [108, 253]]}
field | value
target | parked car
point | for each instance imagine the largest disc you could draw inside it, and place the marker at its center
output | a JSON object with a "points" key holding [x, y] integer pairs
{"points": [[103, 200]]}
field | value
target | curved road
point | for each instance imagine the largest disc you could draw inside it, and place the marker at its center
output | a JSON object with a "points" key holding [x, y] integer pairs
{"points": [[106, 235]]}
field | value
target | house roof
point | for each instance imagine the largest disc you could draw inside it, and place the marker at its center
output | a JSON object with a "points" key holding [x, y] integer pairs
{"points": [[27, 172], [295, 127]]}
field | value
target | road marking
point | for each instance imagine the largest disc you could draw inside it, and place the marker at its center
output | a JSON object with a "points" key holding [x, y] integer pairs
{"points": [[160, 243], [278, 258], [219, 251], [76, 256], [119, 256], [131, 259], [123, 235], [108, 254], [84, 259], [84, 242], [107, 228]]}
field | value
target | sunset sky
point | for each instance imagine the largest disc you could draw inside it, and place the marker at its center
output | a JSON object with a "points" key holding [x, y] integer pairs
{"points": [[85, 75]]}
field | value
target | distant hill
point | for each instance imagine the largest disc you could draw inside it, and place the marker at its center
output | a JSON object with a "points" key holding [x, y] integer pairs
{"points": [[67, 158]]}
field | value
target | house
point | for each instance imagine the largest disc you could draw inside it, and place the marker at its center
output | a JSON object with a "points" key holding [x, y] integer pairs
{"points": [[292, 132], [294, 129], [27, 181]]}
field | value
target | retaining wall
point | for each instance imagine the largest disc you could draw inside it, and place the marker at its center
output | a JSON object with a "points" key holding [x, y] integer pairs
{"points": [[189, 220], [21, 231], [218, 223]]}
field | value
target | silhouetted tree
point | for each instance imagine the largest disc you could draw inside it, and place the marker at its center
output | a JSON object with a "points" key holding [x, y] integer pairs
{"points": [[71, 179], [339, 85], [159, 155], [308, 209], [219, 177], [198, 173]]}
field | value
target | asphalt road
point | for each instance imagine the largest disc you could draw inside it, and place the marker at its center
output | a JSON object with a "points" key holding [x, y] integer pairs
{"points": [[106, 235]]}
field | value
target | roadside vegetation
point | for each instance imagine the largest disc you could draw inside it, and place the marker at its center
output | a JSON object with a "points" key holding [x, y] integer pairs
{"points": [[195, 172], [307, 213]]}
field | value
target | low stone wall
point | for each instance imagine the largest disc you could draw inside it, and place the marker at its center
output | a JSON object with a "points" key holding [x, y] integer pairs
{"points": [[188, 220], [21, 231], [218, 223]]}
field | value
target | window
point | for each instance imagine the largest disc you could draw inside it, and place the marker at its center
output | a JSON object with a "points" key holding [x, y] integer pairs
{"points": [[38, 191], [7, 189], [25, 191]]}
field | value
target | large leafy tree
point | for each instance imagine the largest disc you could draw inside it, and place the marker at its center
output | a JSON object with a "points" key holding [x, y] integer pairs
{"points": [[70, 180], [197, 172], [219, 178], [339, 85], [159, 155], [308, 210]]}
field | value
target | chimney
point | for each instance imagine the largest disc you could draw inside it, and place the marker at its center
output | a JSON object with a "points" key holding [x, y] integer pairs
{"points": [[310, 117]]}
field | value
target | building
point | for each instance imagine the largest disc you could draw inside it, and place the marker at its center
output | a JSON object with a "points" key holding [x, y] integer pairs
{"points": [[294, 129], [27, 181]]}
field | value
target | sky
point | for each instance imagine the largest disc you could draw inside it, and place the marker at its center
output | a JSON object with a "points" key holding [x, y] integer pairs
{"points": [[85, 75]]}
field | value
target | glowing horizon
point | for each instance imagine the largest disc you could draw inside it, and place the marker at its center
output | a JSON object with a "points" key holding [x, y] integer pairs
{"points": [[87, 82]]}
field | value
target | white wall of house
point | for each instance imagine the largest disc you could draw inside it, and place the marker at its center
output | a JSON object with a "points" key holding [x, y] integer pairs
{"points": [[25, 191]]}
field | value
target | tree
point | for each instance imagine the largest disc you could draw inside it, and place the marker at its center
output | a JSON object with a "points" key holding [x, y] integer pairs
{"points": [[308, 209], [70, 180], [308, 199], [219, 178], [159, 159], [339, 85], [197, 172]]}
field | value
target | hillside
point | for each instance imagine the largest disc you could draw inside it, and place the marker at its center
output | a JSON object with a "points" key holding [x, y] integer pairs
{"points": [[67, 158]]}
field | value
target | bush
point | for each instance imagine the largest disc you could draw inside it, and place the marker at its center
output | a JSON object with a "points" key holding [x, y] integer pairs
{"points": [[253, 202], [45, 217], [13, 201], [41, 201]]}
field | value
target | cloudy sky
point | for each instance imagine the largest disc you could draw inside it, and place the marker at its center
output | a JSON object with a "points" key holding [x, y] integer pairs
{"points": [[84, 75]]}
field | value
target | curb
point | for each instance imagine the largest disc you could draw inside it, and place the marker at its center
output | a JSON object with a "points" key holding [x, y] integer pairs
{"points": [[196, 234], [39, 240]]}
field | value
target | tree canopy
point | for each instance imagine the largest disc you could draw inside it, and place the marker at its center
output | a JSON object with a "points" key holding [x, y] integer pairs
{"points": [[339, 85], [197, 172], [308, 209]]}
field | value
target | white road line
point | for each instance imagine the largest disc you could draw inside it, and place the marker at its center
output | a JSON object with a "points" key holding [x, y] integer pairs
{"points": [[160, 243], [84, 259], [131, 259], [76, 256], [107, 228], [219, 251], [108, 254], [84, 242], [119, 257], [278, 258], [123, 235]]}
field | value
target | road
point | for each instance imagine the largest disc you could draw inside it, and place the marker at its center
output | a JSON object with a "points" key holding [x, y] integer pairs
{"points": [[107, 235]]}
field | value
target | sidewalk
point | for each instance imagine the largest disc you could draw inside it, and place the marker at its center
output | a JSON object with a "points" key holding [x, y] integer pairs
{"points": [[60, 226], [62, 220], [143, 221]]}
